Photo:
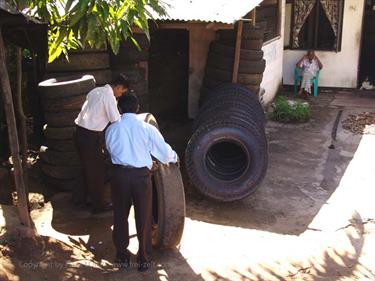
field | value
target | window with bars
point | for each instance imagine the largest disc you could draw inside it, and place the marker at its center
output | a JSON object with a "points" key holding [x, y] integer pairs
{"points": [[313, 24]]}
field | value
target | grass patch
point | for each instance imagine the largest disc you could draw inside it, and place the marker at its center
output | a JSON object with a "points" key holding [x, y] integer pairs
{"points": [[286, 111]]}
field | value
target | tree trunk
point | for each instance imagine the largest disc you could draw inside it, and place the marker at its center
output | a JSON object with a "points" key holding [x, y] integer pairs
{"points": [[13, 139], [21, 118]]}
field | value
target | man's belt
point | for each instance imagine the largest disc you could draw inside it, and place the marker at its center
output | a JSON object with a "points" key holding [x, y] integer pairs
{"points": [[125, 166], [89, 131]]}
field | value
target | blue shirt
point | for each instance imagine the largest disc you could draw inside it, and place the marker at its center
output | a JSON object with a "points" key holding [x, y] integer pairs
{"points": [[132, 142]]}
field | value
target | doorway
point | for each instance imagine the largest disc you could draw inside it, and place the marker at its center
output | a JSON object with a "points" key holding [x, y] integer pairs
{"points": [[367, 63], [168, 73]]}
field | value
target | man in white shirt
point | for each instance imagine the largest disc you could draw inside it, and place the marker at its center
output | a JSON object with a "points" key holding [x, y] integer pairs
{"points": [[99, 109], [131, 143]]}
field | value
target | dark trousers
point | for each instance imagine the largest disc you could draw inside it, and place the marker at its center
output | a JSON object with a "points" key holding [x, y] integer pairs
{"points": [[132, 185], [90, 149]]}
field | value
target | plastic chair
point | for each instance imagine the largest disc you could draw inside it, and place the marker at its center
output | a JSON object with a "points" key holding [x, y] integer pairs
{"points": [[298, 79]]}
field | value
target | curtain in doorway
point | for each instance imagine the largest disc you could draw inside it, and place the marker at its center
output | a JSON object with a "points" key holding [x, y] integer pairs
{"points": [[332, 10], [302, 9]]}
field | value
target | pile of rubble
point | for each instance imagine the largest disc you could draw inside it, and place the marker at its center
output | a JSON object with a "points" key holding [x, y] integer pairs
{"points": [[363, 123]]}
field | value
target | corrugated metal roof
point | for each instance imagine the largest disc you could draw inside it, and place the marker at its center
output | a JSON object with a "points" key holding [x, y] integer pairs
{"points": [[5, 7], [225, 11], [22, 30]]}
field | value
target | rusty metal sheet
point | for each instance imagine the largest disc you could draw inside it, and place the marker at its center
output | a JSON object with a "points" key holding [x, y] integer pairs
{"points": [[223, 11]]}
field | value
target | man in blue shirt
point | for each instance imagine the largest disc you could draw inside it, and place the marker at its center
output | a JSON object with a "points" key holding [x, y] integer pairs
{"points": [[131, 143]]}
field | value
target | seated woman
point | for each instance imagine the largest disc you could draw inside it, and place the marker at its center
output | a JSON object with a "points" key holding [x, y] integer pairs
{"points": [[310, 65]]}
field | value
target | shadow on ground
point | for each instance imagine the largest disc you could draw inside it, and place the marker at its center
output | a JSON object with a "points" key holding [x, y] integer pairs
{"points": [[330, 265], [46, 258]]}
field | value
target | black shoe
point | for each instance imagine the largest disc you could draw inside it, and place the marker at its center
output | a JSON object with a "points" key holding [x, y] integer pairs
{"points": [[144, 266], [102, 209], [122, 262]]}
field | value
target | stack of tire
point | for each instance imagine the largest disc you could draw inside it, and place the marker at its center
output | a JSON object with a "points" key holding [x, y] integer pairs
{"points": [[62, 99], [220, 59], [129, 62], [93, 62], [227, 155]]}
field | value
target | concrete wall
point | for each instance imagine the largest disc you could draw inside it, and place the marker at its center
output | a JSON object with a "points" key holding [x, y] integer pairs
{"points": [[340, 69], [273, 54]]}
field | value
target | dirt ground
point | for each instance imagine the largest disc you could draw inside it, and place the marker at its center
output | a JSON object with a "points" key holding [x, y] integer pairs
{"points": [[312, 218]]}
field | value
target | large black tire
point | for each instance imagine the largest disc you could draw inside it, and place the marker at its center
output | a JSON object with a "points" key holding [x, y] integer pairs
{"points": [[60, 158], [64, 133], [247, 33], [247, 44], [250, 79], [228, 51], [144, 102], [61, 119], [226, 76], [226, 107], [253, 33], [171, 207], [211, 83], [148, 118], [66, 86], [244, 96], [140, 88], [61, 145], [252, 44], [128, 55], [80, 62], [224, 63], [63, 104], [169, 201], [240, 118], [134, 74], [142, 41], [101, 76], [229, 90], [254, 88], [61, 172], [225, 161], [63, 184]]}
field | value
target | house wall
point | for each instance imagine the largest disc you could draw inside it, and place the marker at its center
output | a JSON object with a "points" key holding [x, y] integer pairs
{"points": [[339, 69], [273, 54]]}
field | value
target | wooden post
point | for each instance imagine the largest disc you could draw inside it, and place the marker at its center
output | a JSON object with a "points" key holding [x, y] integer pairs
{"points": [[21, 118], [199, 43], [13, 139], [253, 16], [237, 52]]}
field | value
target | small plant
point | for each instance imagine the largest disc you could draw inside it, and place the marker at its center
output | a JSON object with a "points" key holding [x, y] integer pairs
{"points": [[290, 111]]}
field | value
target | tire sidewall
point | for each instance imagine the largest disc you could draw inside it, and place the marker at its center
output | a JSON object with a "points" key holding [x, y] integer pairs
{"points": [[227, 190]]}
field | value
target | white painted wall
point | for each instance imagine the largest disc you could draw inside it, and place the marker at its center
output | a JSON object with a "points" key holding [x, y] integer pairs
{"points": [[273, 54], [339, 69]]}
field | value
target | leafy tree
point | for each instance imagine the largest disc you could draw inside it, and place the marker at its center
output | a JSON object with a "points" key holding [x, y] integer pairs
{"points": [[74, 24]]}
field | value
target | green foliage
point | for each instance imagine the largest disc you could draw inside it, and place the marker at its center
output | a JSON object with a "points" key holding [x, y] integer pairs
{"points": [[76, 24], [285, 112]]}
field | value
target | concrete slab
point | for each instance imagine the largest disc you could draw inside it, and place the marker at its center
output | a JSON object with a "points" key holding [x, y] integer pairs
{"points": [[352, 101]]}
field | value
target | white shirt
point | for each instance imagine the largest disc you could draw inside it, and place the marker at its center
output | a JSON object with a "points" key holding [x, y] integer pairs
{"points": [[99, 109], [310, 67], [132, 142]]}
